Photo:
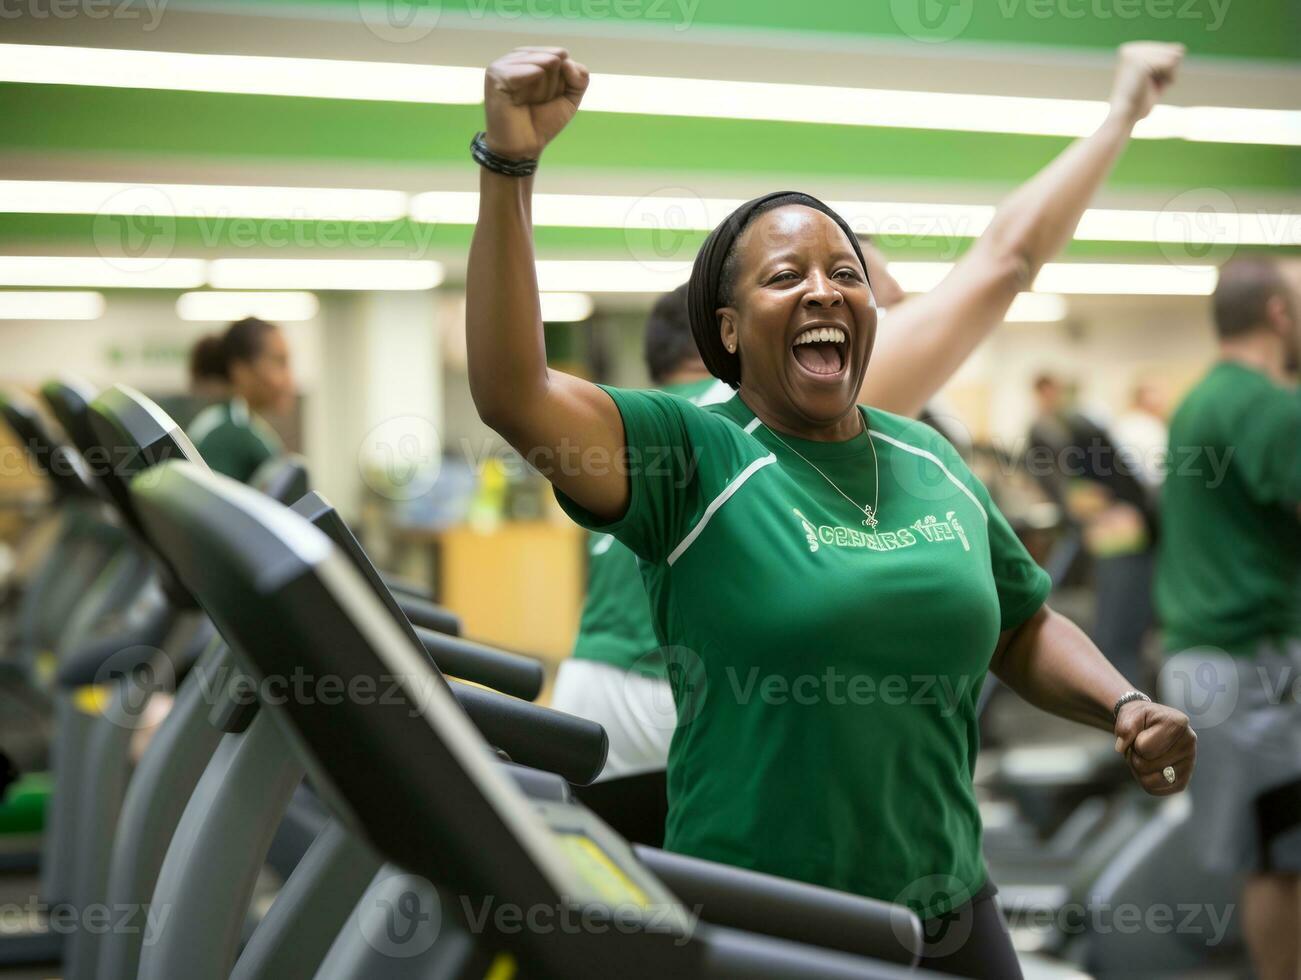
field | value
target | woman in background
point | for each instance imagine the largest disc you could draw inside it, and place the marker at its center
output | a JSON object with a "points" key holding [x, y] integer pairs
{"points": [[252, 357]]}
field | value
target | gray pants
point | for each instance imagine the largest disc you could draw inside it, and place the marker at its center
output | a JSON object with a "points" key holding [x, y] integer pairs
{"points": [[1247, 715]]}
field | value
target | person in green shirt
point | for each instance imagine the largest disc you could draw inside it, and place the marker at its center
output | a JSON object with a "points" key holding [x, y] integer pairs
{"points": [[830, 580], [615, 675], [1228, 591], [231, 436]]}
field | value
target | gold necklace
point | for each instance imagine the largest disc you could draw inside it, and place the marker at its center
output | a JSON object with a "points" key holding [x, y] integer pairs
{"points": [[871, 520]]}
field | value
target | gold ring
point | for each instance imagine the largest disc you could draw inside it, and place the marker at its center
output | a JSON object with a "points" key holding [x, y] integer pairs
{"points": [[1169, 773]]}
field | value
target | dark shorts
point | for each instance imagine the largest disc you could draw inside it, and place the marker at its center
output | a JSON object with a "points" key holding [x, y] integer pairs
{"points": [[971, 941]]}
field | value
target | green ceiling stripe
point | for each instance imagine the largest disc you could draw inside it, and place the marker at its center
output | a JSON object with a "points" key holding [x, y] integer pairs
{"points": [[1240, 28], [176, 125], [113, 235]]}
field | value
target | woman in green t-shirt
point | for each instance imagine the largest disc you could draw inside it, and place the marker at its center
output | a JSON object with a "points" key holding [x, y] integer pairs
{"points": [[829, 582], [252, 357]]}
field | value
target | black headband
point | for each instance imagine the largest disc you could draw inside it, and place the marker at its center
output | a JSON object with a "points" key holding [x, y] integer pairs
{"points": [[706, 280]]}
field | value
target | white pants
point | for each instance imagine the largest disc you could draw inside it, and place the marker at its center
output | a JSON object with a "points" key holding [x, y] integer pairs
{"points": [[636, 711]]}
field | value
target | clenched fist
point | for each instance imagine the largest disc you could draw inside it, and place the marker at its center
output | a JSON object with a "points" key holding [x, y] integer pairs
{"points": [[1144, 71], [528, 97], [1152, 737]]}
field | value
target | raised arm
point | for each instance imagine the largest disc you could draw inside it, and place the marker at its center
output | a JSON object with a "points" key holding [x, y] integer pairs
{"points": [[925, 339], [553, 419]]}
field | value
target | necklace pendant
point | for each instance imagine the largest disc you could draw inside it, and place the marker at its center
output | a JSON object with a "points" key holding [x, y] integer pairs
{"points": [[871, 517]]}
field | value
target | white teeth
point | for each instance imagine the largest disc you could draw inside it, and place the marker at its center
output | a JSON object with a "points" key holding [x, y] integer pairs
{"points": [[816, 335]]}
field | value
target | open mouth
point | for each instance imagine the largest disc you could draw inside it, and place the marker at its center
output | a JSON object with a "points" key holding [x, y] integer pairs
{"points": [[821, 350]]}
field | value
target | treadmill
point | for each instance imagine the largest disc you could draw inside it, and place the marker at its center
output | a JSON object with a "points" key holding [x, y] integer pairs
{"points": [[412, 777]]}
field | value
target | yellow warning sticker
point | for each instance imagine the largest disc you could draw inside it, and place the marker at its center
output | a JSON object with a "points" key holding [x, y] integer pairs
{"points": [[502, 967], [91, 699], [596, 869]]}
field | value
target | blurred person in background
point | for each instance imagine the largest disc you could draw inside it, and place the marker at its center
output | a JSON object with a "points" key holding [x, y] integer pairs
{"points": [[254, 360], [1094, 484], [1228, 590], [616, 675], [1142, 434], [208, 381]]}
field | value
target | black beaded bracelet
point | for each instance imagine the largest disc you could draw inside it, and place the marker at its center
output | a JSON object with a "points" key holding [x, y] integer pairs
{"points": [[497, 163]]}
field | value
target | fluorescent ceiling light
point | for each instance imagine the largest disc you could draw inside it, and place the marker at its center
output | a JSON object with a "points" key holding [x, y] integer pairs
{"points": [[318, 78], [116, 273], [610, 276], [223, 307], [357, 274], [51, 306], [1036, 308], [566, 307], [1217, 222], [200, 200], [1102, 278], [1113, 278], [395, 82]]}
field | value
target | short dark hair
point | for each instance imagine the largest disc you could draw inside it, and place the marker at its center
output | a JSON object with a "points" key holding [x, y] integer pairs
{"points": [[669, 343], [241, 342], [207, 360], [1242, 294]]}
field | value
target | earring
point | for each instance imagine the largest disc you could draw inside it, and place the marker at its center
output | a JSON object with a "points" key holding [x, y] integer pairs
{"points": [[731, 348]]}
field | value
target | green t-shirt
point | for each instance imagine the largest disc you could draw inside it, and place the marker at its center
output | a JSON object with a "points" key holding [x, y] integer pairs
{"points": [[232, 440], [1229, 563], [825, 677], [615, 627]]}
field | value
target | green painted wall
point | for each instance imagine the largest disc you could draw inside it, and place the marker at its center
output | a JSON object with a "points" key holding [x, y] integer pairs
{"points": [[1233, 28], [59, 118]]}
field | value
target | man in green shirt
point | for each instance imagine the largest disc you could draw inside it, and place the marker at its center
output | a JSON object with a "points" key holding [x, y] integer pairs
{"points": [[1228, 591]]}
